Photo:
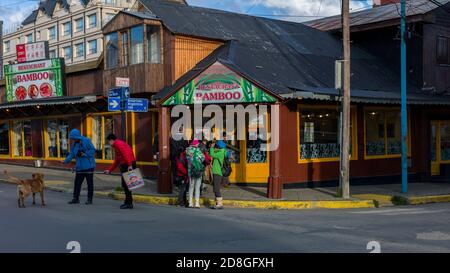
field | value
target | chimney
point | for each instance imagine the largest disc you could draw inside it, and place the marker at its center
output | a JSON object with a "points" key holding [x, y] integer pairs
{"points": [[377, 3]]}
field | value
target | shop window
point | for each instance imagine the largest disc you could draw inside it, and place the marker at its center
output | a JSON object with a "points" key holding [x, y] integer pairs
{"points": [[102, 126], [383, 133], [319, 133], [137, 45], [154, 44], [22, 144], [4, 138], [57, 140], [112, 50], [256, 144], [445, 141]]}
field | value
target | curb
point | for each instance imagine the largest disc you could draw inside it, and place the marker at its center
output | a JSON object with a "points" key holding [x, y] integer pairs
{"points": [[429, 199], [366, 201], [353, 204]]}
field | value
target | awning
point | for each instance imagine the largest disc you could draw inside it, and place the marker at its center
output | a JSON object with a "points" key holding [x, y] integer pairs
{"points": [[367, 96], [51, 101]]}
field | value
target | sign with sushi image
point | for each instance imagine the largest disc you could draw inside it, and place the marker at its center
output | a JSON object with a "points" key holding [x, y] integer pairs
{"points": [[218, 84], [34, 80]]}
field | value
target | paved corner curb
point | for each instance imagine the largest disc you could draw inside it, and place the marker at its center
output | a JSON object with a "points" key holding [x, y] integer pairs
{"points": [[161, 200], [428, 199]]}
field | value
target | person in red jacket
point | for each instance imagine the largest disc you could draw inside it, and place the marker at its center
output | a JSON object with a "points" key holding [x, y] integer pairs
{"points": [[126, 161]]}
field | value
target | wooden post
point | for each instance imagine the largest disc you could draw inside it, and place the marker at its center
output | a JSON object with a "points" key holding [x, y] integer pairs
{"points": [[345, 149], [275, 183], [164, 174]]}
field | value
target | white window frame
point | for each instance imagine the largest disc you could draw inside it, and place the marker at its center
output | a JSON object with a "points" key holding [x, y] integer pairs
{"points": [[76, 50], [50, 31], [90, 16], [90, 47], [76, 25]]}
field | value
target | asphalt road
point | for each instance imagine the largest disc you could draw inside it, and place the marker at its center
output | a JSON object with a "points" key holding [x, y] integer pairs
{"points": [[102, 227]]}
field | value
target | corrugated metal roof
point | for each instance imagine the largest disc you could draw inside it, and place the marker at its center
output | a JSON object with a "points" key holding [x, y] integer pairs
{"points": [[376, 14], [52, 101], [141, 15], [367, 96], [281, 57]]}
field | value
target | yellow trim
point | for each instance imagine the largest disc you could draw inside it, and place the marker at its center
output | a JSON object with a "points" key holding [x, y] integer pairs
{"points": [[338, 204], [89, 126], [354, 119], [436, 165], [147, 163], [133, 132], [23, 141], [385, 110]]}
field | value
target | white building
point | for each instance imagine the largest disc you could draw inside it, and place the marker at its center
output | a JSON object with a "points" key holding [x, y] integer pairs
{"points": [[72, 28]]}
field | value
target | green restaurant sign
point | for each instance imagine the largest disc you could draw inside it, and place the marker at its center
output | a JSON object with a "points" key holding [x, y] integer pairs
{"points": [[34, 80], [218, 84]]}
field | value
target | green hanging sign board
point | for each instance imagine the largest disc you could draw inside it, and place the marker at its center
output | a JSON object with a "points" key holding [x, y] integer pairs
{"points": [[219, 85]]}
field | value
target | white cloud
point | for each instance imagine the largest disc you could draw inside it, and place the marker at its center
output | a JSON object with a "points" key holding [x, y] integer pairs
{"points": [[14, 15], [293, 8], [309, 8]]}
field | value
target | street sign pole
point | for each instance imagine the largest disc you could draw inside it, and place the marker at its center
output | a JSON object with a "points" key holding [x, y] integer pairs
{"points": [[122, 113], [404, 113]]}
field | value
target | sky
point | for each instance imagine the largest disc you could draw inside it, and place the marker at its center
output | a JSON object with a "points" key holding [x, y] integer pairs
{"points": [[12, 12]]}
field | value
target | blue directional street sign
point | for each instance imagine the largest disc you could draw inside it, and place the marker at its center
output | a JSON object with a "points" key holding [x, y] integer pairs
{"points": [[137, 105], [119, 92], [113, 104]]}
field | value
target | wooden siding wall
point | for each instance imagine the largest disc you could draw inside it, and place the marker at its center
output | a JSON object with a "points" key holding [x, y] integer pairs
{"points": [[169, 57], [85, 83], [143, 77], [435, 75], [144, 137], [189, 51]]}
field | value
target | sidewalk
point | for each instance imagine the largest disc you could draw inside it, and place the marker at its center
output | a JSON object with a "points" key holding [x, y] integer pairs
{"points": [[249, 197]]}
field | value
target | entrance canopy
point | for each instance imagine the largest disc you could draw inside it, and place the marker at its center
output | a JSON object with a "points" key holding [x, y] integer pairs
{"points": [[219, 85]]}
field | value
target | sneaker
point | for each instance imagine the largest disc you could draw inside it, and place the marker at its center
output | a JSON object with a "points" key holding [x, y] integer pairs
{"points": [[88, 202], [74, 201], [126, 206]]}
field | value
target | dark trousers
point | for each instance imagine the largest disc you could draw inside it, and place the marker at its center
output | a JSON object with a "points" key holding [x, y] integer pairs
{"points": [[79, 178], [183, 189], [128, 194], [217, 183]]}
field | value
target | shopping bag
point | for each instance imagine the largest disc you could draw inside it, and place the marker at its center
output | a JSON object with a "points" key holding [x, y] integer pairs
{"points": [[133, 179]]}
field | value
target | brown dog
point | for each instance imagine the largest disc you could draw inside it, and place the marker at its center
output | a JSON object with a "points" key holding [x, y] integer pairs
{"points": [[25, 187]]}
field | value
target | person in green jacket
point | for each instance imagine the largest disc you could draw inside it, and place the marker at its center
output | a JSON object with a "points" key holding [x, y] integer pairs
{"points": [[218, 156]]}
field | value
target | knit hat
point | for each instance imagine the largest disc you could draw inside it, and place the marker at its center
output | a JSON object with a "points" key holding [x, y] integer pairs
{"points": [[194, 142], [221, 144]]}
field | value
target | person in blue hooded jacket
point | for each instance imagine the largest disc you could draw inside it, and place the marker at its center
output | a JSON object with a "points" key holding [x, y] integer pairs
{"points": [[83, 151]]}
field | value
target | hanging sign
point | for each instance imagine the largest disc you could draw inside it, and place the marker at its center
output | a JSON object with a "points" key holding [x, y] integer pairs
{"points": [[34, 80]]}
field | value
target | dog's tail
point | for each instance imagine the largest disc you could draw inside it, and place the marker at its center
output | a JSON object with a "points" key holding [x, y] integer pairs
{"points": [[12, 178]]}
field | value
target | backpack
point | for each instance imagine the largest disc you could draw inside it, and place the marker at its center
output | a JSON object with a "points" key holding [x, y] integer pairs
{"points": [[226, 166], [197, 168]]}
